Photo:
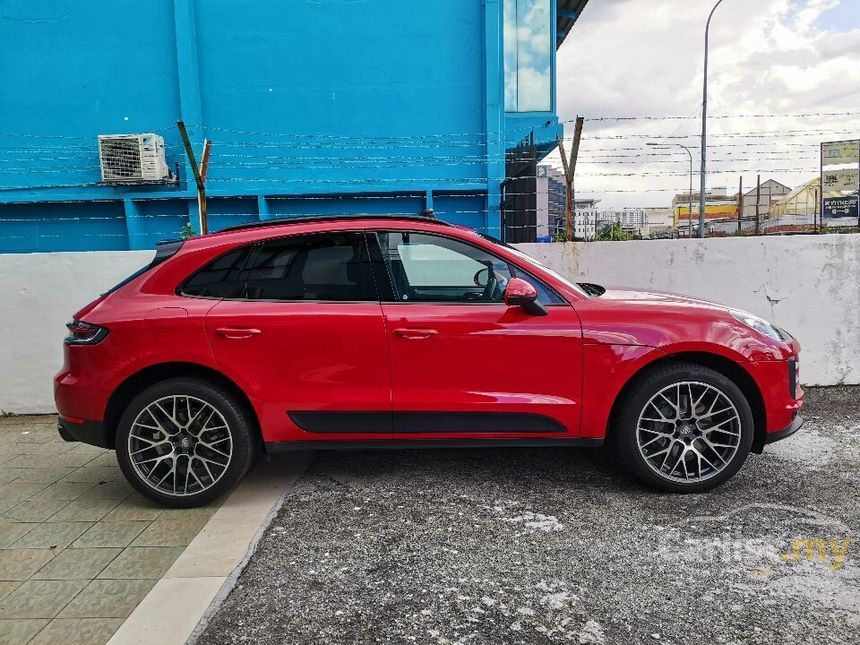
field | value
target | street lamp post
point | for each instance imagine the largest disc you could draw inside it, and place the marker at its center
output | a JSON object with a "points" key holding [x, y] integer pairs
{"points": [[705, 127], [664, 146]]}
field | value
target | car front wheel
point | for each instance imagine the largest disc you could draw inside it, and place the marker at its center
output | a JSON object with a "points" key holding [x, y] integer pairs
{"points": [[184, 442], [684, 428]]}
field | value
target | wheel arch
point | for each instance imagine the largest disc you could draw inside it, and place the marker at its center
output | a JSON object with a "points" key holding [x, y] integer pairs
{"points": [[725, 366], [152, 374]]}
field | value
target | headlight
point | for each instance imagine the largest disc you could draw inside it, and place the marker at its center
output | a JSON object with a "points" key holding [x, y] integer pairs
{"points": [[760, 325]]}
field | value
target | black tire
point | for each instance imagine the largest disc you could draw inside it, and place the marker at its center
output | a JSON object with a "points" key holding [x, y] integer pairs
{"points": [[624, 433], [239, 427]]}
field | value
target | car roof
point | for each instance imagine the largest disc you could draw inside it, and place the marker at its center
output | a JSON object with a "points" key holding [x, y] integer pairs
{"points": [[257, 231], [286, 221]]}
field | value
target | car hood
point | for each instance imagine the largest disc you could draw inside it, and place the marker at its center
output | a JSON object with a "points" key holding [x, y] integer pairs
{"points": [[636, 296]]}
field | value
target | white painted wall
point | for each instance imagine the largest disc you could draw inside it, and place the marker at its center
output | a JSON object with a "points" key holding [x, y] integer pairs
{"points": [[808, 284], [39, 292]]}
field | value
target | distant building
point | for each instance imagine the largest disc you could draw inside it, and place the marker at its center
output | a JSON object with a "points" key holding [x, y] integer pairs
{"points": [[802, 201], [659, 221], [590, 223], [719, 205], [551, 201], [771, 192], [802, 208]]}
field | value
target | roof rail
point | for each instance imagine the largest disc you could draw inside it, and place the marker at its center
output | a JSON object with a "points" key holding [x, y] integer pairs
{"points": [[282, 221]]}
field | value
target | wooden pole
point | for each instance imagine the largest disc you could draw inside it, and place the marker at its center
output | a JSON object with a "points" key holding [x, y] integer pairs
{"points": [[568, 192], [569, 167], [199, 173], [201, 189]]}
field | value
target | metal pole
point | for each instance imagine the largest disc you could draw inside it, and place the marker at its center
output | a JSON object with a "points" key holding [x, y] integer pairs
{"points": [[819, 202], [705, 127], [690, 195], [740, 204]]}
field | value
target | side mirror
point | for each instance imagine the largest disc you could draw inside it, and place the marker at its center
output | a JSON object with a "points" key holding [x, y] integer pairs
{"points": [[520, 293]]}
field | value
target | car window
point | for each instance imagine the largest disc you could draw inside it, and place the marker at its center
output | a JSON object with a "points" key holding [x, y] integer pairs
{"points": [[329, 267], [432, 268], [218, 278]]}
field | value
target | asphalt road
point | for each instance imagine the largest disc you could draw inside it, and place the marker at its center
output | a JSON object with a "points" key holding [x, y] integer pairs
{"points": [[530, 546]]}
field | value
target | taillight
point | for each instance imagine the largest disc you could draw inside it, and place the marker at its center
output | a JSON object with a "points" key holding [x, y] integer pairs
{"points": [[794, 377], [81, 333]]}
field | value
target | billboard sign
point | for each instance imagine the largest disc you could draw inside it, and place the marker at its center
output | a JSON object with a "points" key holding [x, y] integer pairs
{"points": [[834, 181], [840, 207], [840, 153]]}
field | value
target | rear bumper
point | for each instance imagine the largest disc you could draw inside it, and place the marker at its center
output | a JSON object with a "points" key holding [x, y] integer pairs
{"points": [[91, 432], [789, 430]]}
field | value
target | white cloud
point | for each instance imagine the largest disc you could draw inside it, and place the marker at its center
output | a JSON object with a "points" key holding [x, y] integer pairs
{"points": [[634, 58]]}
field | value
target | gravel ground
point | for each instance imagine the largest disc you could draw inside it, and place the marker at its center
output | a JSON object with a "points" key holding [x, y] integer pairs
{"points": [[557, 546]]}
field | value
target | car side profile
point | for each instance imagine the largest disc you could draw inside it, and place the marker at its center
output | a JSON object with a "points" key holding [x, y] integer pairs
{"points": [[383, 332]]}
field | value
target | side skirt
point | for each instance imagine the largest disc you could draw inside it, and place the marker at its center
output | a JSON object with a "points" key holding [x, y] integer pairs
{"points": [[407, 444]]}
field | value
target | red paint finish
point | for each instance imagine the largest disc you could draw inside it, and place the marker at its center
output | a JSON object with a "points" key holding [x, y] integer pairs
{"points": [[304, 356], [390, 356], [486, 358], [519, 292]]}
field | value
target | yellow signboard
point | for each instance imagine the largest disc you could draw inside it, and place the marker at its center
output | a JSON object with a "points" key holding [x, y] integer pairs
{"points": [[834, 181], [840, 153], [711, 211]]}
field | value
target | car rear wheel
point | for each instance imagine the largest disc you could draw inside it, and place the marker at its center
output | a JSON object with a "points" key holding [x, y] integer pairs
{"points": [[183, 442], [684, 428]]}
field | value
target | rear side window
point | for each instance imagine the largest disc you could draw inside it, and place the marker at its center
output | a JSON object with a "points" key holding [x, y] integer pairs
{"points": [[218, 279], [326, 267]]}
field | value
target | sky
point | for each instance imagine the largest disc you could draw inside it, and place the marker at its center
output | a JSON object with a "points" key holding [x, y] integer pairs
{"points": [[637, 58]]}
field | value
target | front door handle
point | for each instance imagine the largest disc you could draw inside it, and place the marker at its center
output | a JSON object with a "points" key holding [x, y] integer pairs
{"points": [[414, 334], [237, 333]]}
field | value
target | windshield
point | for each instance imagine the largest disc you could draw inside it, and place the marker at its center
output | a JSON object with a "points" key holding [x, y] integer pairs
{"points": [[533, 262]]}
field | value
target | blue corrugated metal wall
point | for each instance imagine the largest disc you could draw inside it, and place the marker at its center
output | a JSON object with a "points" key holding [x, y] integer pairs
{"points": [[378, 106]]}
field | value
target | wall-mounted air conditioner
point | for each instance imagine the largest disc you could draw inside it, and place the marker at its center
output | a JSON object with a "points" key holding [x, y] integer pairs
{"points": [[132, 158]]}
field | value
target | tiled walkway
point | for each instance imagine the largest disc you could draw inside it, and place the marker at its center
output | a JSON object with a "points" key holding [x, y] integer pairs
{"points": [[79, 549]]}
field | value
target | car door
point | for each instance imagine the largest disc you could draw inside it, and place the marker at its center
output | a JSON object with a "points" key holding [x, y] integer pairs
{"points": [[463, 364], [303, 335]]}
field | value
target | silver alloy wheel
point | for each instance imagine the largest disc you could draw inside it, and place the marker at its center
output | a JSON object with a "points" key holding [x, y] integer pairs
{"points": [[180, 445], [688, 432]]}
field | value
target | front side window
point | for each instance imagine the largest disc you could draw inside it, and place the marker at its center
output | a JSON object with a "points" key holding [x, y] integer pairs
{"points": [[431, 268], [327, 267], [528, 55]]}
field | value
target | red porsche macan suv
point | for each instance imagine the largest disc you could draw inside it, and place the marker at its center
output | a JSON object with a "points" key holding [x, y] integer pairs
{"points": [[346, 332]]}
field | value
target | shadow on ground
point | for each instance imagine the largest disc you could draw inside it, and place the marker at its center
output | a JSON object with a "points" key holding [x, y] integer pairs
{"points": [[558, 546]]}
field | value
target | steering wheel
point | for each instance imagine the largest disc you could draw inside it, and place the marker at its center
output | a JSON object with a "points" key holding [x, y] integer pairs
{"points": [[490, 286]]}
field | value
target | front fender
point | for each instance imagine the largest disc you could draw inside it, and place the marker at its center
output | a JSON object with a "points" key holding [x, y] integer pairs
{"points": [[606, 370]]}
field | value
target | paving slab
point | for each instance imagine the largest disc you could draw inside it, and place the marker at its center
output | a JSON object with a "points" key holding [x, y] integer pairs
{"points": [[67, 518], [80, 549]]}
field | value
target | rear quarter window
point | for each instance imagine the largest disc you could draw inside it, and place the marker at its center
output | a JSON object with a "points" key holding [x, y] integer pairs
{"points": [[218, 279]]}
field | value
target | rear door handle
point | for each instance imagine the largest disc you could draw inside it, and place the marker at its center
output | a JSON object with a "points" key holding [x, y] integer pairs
{"points": [[237, 333], [415, 334]]}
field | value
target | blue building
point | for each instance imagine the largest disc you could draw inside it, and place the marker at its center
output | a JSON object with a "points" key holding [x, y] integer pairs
{"points": [[324, 106]]}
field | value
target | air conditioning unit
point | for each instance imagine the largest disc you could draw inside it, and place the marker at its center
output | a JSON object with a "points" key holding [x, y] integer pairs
{"points": [[132, 158]]}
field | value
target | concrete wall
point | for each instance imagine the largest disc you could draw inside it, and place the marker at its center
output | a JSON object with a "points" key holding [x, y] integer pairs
{"points": [[39, 293], [810, 285]]}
